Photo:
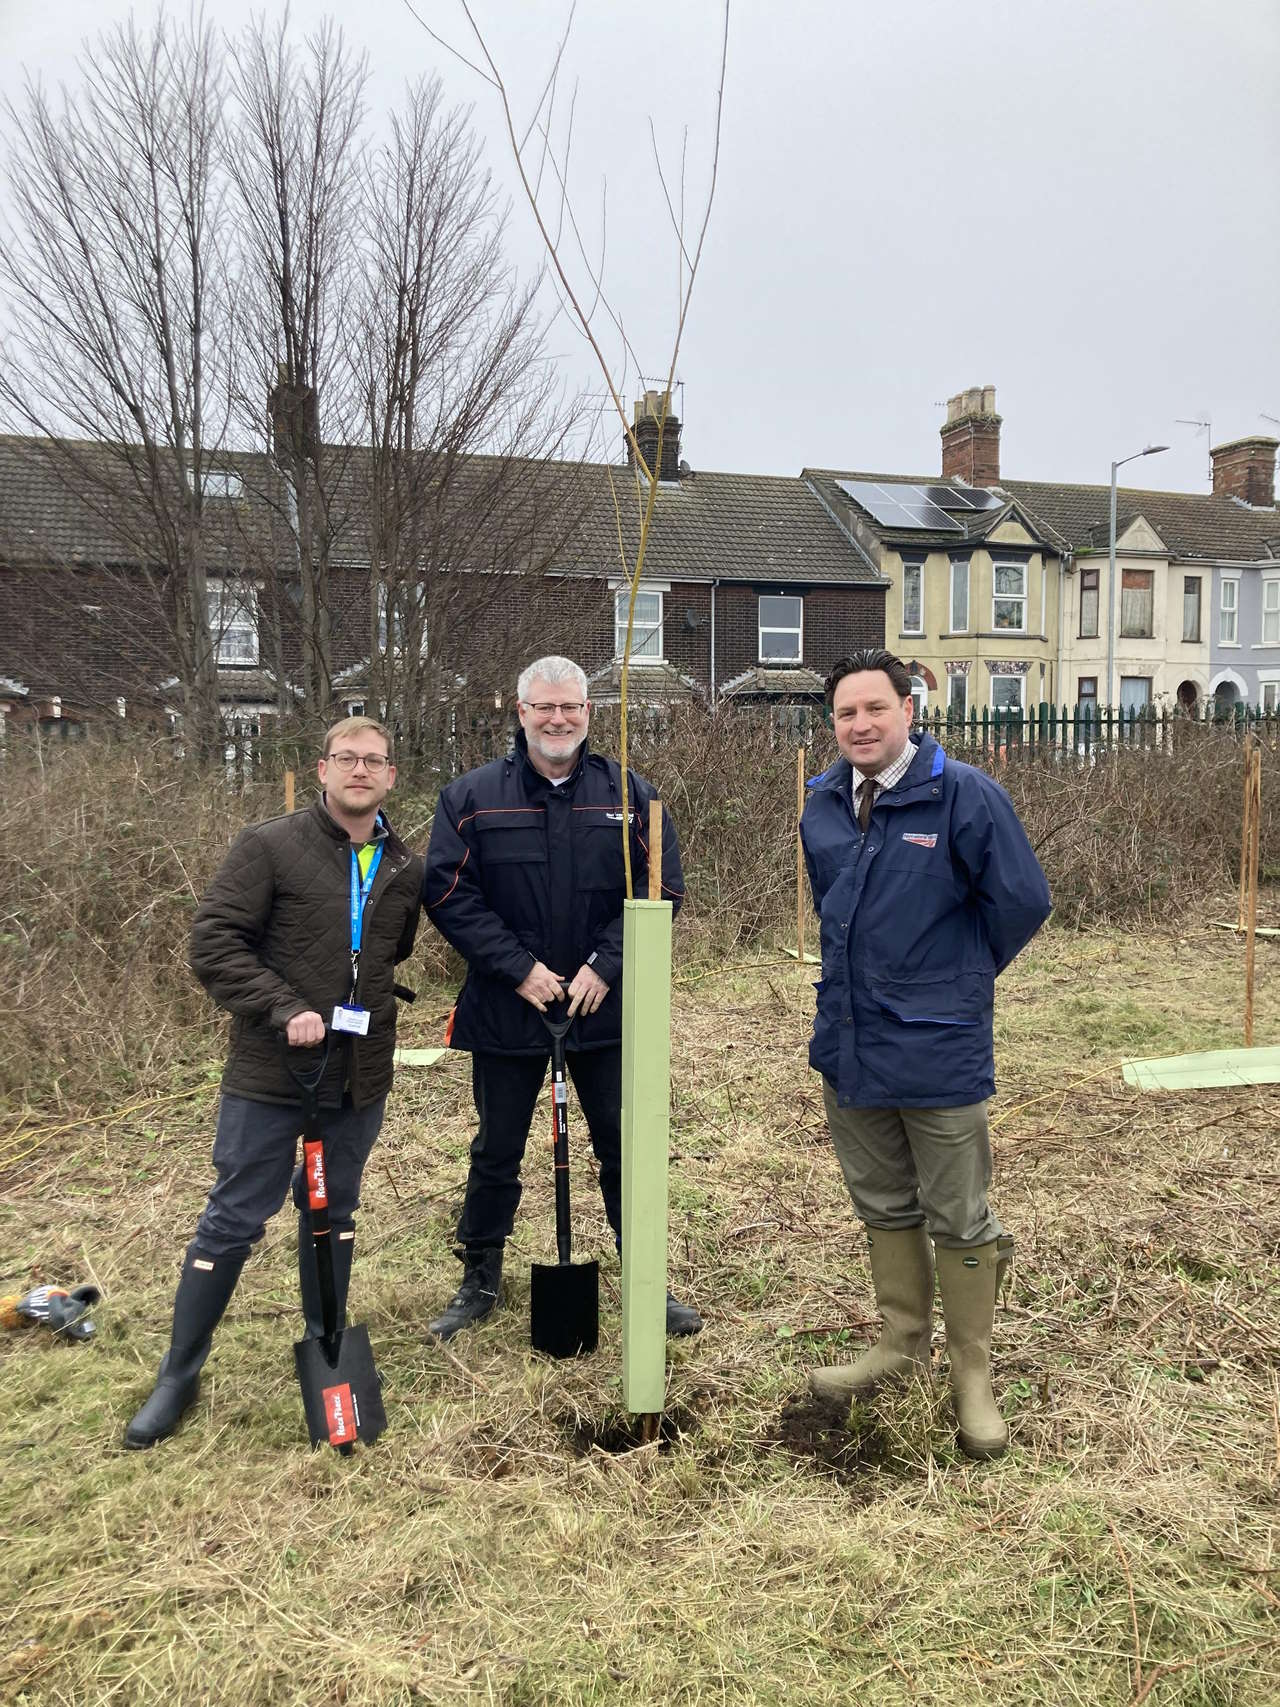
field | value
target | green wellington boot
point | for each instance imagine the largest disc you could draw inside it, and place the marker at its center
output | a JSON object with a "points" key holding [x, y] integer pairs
{"points": [[902, 1274], [967, 1280]]}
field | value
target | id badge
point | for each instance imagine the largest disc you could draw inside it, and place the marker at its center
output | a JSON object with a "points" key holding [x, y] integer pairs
{"points": [[354, 1020]]}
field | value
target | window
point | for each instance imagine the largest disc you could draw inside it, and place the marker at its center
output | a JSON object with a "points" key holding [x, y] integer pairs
{"points": [[781, 623], [1086, 696], [1269, 697], [959, 600], [913, 598], [218, 483], [233, 621], [1271, 611], [1136, 600], [1191, 607], [355, 708], [1006, 693], [957, 696], [1009, 606], [1228, 613], [646, 631], [407, 617], [919, 698], [1135, 693], [1088, 604]]}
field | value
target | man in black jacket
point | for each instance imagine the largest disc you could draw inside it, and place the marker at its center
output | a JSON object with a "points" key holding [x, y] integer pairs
{"points": [[525, 878], [302, 925]]}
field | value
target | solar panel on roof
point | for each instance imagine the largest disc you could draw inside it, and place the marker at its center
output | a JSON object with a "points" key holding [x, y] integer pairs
{"points": [[963, 498], [905, 506]]}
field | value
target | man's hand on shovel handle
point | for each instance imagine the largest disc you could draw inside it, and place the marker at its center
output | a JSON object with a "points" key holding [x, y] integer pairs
{"points": [[586, 992], [305, 1030], [541, 987]]}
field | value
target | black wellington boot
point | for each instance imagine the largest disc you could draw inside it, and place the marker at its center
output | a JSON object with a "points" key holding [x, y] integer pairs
{"points": [[344, 1246], [204, 1291], [475, 1298], [682, 1319]]}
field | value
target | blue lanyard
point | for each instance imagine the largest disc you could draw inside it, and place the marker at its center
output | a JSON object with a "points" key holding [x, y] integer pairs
{"points": [[359, 895]]}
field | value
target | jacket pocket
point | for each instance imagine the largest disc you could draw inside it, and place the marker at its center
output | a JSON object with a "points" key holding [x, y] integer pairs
{"points": [[598, 857], [512, 843], [964, 1000]]}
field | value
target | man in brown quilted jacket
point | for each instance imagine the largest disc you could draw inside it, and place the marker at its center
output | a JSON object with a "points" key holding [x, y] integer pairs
{"points": [[308, 914]]}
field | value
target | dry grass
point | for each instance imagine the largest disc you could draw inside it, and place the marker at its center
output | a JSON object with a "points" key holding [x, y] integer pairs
{"points": [[495, 1546]]}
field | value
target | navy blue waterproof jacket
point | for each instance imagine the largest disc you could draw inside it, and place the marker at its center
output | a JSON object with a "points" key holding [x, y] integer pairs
{"points": [[918, 918], [519, 871]]}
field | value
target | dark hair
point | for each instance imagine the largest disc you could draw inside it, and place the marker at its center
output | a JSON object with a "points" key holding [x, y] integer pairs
{"points": [[869, 658]]}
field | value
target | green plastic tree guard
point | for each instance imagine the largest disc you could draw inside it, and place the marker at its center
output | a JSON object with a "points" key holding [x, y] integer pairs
{"points": [[646, 1096]]}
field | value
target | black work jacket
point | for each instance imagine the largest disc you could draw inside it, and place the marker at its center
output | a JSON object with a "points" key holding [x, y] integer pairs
{"points": [[520, 871]]}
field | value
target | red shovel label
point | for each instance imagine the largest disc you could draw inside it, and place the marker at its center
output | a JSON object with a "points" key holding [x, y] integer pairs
{"points": [[313, 1156], [340, 1414]]}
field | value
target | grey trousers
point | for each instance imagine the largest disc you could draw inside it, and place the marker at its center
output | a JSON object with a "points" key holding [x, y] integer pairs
{"points": [[908, 1166], [255, 1152]]}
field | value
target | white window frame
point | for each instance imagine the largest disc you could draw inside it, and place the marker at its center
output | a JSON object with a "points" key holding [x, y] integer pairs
{"points": [[384, 627], [235, 629], [961, 563], [1198, 582], [1269, 692], [1271, 609], [778, 628], [954, 710], [919, 697], [998, 599], [909, 570], [1148, 702], [1229, 608], [643, 632], [1007, 676]]}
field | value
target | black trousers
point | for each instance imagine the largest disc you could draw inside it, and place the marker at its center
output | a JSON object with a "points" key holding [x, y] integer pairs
{"points": [[506, 1090]]}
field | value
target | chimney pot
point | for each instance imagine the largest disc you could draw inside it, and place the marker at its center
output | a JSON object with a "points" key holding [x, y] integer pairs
{"points": [[647, 412]]}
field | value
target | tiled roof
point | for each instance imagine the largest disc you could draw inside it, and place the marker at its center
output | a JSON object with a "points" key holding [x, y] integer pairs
{"points": [[764, 680], [1191, 524], [70, 506]]}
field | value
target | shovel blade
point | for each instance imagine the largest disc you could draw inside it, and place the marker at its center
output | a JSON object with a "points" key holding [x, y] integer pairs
{"points": [[341, 1391], [564, 1308]]}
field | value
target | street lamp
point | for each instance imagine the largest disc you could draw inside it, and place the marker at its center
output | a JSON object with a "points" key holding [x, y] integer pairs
{"points": [[1151, 450]]}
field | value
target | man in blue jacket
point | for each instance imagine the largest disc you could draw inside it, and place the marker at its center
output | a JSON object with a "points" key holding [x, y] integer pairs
{"points": [[927, 888], [525, 878]]}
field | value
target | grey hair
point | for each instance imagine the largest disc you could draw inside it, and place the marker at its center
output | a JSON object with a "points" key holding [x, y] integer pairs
{"points": [[552, 670]]}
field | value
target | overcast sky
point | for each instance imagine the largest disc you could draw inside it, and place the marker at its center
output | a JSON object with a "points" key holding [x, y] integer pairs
{"points": [[1077, 201]]}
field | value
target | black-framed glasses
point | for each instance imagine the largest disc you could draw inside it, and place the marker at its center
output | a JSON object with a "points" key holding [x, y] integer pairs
{"points": [[374, 763], [545, 707]]}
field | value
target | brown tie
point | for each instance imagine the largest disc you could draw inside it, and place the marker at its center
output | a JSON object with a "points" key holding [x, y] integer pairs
{"points": [[866, 800]]}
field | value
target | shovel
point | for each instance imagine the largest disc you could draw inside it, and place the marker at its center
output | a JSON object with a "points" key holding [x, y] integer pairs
{"points": [[564, 1297], [341, 1391]]}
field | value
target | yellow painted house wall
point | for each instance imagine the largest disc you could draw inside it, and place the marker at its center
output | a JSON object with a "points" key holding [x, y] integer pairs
{"points": [[978, 643]]}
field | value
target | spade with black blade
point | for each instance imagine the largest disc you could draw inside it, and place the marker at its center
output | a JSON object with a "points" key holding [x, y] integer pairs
{"points": [[341, 1391], [564, 1297]]}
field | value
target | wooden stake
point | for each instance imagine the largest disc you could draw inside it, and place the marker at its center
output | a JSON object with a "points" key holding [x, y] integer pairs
{"points": [[1251, 899], [288, 791], [1244, 832], [655, 850], [799, 855]]}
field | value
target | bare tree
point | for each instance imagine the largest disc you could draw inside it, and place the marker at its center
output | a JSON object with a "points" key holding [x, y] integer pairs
{"points": [[462, 414], [296, 163], [114, 268]]}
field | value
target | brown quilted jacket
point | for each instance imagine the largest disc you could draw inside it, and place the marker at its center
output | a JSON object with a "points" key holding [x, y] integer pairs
{"points": [[271, 939]]}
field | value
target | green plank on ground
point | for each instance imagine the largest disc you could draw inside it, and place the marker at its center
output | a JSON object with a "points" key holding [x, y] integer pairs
{"points": [[418, 1057], [1210, 1067], [809, 959], [646, 1100]]}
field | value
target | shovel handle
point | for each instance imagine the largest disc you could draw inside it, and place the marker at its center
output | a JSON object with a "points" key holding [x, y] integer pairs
{"points": [[308, 1084]]}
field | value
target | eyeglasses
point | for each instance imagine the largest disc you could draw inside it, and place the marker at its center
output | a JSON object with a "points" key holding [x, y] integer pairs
{"points": [[545, 707], [374, 763]]}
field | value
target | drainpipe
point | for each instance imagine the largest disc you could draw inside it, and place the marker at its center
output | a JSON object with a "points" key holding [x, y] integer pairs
{"points": [[1066, 566], [714, 584]]}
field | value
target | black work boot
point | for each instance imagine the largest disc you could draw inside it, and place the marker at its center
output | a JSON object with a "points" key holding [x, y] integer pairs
{"points": [[682, 1319], [204, 1292], [344, 1246], [475, 1298]]}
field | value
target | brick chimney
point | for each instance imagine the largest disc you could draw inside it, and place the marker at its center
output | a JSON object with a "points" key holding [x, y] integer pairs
{"points": [[1246, 468], [647, 414], [971, 437], [295, 418]]}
